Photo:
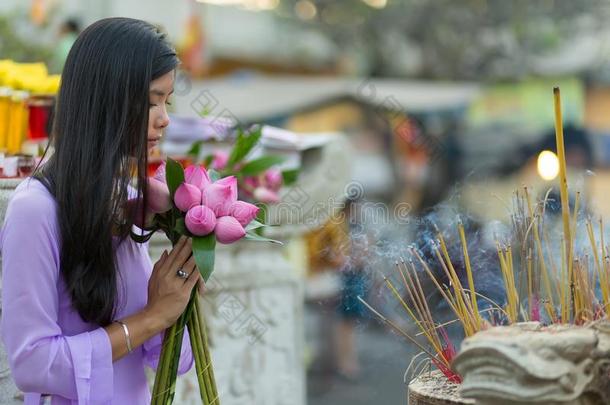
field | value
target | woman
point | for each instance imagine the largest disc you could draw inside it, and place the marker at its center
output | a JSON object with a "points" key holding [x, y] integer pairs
{"points": [[83, 309]]}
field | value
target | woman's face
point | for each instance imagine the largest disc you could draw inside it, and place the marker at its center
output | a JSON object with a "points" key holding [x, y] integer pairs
{"points": [[160, 90]]}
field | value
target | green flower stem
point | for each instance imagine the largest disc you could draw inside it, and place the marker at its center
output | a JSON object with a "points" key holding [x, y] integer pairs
{"points": [[175, 359], [206, 352], [196, 344], [161, 387], [203, 361]]}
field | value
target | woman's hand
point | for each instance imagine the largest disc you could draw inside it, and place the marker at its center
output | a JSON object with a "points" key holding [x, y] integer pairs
{"points": [[169, 294]]}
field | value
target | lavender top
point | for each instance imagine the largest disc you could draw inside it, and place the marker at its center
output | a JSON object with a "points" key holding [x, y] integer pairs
{"points": [[50, 349]]}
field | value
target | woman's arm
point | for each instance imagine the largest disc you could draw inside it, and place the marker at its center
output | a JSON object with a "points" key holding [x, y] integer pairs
{"points": [[41, 357], [142, 327]]}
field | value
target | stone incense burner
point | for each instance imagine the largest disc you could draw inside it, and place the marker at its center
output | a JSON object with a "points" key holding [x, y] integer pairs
{"points": [[527, 363]]}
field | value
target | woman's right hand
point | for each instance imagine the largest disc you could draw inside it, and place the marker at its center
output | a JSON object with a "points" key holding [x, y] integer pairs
{"points": [[169, 294]]}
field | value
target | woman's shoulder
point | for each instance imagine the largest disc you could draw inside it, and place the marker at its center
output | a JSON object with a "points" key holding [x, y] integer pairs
{"points": [[31, 201]]}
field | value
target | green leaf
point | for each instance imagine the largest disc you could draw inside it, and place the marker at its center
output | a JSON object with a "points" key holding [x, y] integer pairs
{"points": [[203, 249], [254, 225], [253, 236], [180, 227], [243, 145], [208, 160], [257, 166], [214, 175], [174, 175], [195, 150], [290, 176]]}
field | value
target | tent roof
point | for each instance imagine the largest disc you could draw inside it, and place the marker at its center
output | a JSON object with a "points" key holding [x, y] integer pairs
{"points": [[258, 97]]}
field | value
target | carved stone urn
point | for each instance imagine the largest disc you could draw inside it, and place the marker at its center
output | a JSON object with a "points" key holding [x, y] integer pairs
{"points": [[433, 388], [527, 363]]}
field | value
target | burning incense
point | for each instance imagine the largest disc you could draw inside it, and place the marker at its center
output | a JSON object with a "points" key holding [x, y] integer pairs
{"points": [[563, 183], [555, 293]]}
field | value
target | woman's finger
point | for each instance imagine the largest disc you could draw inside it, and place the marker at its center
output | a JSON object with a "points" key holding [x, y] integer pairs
{"points": [[201, 288], [175, 263], [192, 279], [185, 252], [176, 249], [162, 259], [190, 264]]}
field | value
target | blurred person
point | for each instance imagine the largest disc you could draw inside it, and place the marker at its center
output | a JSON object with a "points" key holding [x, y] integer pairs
{"points": [[326, 256], [354, 280], [68, 32], [83, 308]]}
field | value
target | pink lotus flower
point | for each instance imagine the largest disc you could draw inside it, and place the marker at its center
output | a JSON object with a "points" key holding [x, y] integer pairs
{"points": [[218, 198], [187, 196], [197, 176], [274, 179], [200, 220], [265, 195], [221, 158], [230, 181], [160, 173], [244, 212], [228, 230], [251, 182], [158, 199]]}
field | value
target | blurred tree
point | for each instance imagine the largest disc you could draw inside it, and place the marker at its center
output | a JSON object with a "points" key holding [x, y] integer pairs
{"points": [[466, 39], [13, 43]]}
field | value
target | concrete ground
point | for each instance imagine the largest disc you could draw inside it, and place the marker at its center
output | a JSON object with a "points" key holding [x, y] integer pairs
{"points": [[384, 357]]}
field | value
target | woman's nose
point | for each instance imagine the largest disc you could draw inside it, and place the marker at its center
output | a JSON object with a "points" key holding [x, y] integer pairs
{"points": [[163, 120]]}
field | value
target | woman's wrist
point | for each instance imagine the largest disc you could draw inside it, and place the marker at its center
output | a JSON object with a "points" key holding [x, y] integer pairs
{"points": [[152, 322]]}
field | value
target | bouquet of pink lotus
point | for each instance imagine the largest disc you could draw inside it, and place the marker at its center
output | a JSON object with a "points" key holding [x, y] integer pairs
{"points": [[259, 179], [198, 204]]}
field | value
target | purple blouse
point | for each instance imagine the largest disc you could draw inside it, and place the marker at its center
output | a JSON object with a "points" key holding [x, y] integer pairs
{"points": [[50, 349]]}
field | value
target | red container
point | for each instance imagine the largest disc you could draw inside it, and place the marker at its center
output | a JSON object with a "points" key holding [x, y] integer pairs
{"points": [[39, 114]]}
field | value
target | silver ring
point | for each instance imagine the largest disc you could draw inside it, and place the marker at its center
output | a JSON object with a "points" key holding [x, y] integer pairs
{"points": [[182, 274]]}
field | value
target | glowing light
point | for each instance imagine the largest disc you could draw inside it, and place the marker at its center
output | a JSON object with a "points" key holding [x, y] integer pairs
{"points": [[376, 3], [305, 9], [247, 4], [222, 2], [266, 4], [548, 165]]}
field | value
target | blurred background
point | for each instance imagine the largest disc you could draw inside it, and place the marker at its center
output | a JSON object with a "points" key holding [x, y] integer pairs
{"points": [[447, 107]]}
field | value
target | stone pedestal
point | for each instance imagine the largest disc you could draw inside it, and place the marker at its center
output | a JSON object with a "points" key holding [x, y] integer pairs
{"points": [[528, 363], [433, 388]]}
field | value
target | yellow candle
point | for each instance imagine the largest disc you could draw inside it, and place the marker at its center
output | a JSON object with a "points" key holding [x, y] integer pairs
{"points": [[18, 122], [5, 102]]}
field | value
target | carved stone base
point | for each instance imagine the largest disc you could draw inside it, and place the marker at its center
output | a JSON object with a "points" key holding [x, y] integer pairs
{"points": [[528, 363], [434, 389]]}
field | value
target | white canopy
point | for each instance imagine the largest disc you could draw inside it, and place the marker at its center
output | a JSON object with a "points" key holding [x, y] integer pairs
{"points": [[249, 97]]}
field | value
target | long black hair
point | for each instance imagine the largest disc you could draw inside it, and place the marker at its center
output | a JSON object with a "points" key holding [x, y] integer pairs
{"points": [[99, 139]]}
